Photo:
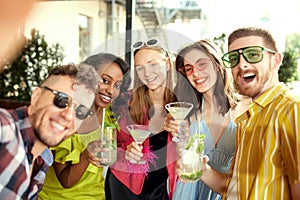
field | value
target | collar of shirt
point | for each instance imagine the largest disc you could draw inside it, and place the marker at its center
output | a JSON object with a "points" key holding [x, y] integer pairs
{"points": [[272, 93], [26, 130], [263, 100]]}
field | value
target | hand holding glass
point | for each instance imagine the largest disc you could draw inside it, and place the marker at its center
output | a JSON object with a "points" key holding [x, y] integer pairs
{"points": [[139, 134], [106, 147], [179, 110]]}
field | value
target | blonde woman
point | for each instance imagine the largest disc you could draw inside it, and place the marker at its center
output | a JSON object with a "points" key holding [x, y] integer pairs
{"points": [[153, 84]]}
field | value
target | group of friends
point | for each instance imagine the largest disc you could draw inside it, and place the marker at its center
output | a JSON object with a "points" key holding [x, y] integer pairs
{"points": [[251, 153]]}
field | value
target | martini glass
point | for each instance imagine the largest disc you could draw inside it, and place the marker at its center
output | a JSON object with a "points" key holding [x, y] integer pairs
{"points": [[139, 134], [179, 110]]}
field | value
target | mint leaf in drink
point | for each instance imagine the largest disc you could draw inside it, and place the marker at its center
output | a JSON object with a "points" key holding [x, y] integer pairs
{"points": [[189, 143], [200, 146], [191, 140]]}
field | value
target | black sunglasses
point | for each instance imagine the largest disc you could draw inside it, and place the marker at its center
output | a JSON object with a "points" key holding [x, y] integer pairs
{"points": [[62, 100], [252, 54]]}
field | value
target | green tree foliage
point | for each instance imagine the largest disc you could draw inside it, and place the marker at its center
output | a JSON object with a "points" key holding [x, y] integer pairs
{"points": [[288, 69], [29, 68], [293, 43], [220, 41]]}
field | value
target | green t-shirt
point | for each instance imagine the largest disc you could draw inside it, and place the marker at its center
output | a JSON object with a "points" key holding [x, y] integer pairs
{"points": [[91, 184]]}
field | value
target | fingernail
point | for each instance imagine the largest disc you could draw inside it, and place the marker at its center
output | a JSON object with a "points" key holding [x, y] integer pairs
{"points": [[182, 123]]}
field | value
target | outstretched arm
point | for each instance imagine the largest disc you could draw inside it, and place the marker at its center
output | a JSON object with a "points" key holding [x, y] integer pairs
{"points": [[69, 174]]}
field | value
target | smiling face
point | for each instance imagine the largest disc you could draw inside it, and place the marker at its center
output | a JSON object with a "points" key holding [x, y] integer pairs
{"points": [[111, 79], [151, 67], [204, 75], [52, 124], [253, 79]]}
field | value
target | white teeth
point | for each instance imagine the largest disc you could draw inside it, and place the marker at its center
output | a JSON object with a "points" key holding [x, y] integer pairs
{"points": [[200, 80], [151, 79], [58, 126], [106, 98], [248, 75]]}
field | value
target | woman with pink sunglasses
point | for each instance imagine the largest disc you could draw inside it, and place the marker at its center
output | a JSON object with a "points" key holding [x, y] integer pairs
{"points": [[203, 73]]}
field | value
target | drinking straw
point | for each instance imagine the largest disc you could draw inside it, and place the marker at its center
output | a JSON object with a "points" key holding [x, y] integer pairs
{"points": [[102, 124], [199, 125]]}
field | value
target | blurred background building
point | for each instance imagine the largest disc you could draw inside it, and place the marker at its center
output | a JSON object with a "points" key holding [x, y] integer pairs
{"points": [[84, 27]]}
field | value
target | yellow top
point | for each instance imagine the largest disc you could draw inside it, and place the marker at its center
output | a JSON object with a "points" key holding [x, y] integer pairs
{"points": [[91, 184], [267, 158]]}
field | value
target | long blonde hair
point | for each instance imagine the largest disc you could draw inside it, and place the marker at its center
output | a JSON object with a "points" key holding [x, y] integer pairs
{"points": [[140, 102]]}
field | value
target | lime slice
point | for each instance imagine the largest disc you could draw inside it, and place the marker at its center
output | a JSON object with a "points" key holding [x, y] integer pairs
{"points": [[191, 176]]}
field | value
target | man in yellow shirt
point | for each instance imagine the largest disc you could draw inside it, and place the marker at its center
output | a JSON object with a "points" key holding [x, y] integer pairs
{"points": [[267, 159]]}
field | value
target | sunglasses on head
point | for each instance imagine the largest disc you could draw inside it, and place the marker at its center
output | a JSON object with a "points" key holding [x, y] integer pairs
{"points": [[149, 43], [253, 54], [62, 100]]}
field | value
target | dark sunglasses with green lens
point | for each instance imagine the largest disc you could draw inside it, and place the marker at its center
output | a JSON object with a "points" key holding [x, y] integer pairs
{"points": [[62, 100], [252, 54]]}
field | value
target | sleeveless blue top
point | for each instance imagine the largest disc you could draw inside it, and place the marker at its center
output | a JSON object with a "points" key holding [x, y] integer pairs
{"points": [[220, 158]]}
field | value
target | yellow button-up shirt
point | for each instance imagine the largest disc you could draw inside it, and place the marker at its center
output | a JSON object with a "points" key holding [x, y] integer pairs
{"points": [[267, 158]]}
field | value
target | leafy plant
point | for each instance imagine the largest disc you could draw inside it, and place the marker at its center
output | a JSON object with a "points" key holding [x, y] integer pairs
{"points": [[293, 43], [110, 119], [30, 68], [288, 69], [220, 41]]}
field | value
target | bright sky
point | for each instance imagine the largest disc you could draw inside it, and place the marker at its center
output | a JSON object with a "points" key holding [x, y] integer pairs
{"points": [[281, 17], [223, 16], [281, 14]]}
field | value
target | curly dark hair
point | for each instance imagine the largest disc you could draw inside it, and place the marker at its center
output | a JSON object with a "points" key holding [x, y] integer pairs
{"points": [[82, 73], [101, 59]]}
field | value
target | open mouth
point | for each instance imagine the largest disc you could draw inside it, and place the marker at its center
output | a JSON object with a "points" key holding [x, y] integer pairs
{"points": [[57, 126], [200, 81], [105, 98], [150, 80], [248, 77]]}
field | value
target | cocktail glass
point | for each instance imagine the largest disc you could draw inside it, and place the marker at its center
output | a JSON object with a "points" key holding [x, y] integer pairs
{"points": [[191, 158], [139, 134], [108, 140], [103, 144], [179, 110]]}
